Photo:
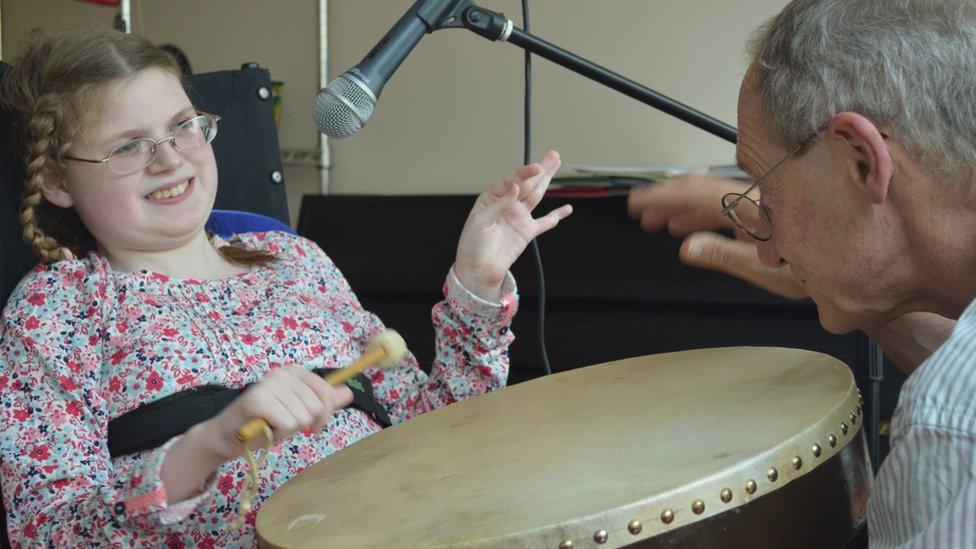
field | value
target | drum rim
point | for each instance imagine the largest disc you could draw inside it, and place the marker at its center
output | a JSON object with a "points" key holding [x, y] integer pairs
{"points": [[645, 519], [770, 471]]}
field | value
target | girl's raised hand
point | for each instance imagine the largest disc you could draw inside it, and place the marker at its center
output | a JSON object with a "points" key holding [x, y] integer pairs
{"points": [[501, 225]]}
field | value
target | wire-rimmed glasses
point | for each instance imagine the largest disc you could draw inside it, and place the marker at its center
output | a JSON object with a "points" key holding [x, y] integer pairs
{"points": [[751, 215], [135, 154]]}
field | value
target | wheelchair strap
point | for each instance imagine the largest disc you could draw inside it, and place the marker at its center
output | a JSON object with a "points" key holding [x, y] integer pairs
{"points": [[151, 425]]}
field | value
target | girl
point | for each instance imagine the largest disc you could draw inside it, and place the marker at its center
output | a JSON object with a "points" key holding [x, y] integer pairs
{"points": [[133, 301]]}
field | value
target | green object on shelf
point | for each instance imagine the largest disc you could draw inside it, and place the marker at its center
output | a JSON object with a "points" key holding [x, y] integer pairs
{"points": [[585, 180]]}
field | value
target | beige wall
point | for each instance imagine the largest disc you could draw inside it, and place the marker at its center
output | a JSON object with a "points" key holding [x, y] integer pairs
{"points": [[450, 120], [280, 35], [18, 17]]}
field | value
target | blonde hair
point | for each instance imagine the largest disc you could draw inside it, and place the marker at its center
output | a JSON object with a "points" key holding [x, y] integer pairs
{"points": [[47, 87]]}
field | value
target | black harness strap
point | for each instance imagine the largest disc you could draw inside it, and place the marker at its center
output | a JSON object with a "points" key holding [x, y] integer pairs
{"points": [[151, 425]]}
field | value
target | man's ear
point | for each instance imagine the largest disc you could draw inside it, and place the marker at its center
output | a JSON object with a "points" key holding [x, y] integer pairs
{"points": [[55, 190], [863, 147]]}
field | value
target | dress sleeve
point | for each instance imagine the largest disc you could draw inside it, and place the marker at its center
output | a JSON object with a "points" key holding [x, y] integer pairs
{"points": [[472, 337]]}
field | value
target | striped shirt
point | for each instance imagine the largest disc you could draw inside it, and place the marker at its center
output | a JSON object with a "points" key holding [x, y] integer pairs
{"points": [[925, 493]]}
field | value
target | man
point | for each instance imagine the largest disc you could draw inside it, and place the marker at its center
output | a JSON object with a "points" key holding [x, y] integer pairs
{"points": [[857, 119]]}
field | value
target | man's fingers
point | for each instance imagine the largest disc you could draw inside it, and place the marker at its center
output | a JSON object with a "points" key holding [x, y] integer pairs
{"points": [[693, 221], [739, 259], [649, 198], [716, 252], [658, 203], [692, 193]]}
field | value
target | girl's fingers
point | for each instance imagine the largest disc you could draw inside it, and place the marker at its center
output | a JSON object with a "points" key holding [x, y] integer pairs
{"points": [[525, 172], [552, 219], [493, 210], [300, 383], [278, 416], [536, 189]]}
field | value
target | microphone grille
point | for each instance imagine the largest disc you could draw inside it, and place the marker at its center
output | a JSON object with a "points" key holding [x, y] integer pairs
{"points": [[342, 108]]}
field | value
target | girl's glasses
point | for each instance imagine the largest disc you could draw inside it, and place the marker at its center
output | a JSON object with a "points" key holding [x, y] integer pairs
{"points": [[134, 155]]}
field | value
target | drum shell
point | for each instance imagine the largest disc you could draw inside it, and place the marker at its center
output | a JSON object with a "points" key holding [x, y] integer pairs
{"points": [[804, 513]]}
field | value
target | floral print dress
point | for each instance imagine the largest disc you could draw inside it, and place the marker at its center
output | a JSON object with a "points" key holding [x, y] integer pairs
{"points": [[81, 344]]}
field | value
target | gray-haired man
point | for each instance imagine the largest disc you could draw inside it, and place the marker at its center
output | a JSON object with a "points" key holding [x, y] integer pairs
{"points": [[872, 104], [858, 120]]}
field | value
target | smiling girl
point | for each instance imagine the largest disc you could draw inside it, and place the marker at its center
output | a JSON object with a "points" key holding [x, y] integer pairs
{"points": [[134, 301]]}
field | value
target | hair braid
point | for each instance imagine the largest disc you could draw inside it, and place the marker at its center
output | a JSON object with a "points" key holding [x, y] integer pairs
{"points": [[40, 162]]}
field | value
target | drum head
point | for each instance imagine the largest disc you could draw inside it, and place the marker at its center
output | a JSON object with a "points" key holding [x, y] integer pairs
{"points": [[629, 449]]}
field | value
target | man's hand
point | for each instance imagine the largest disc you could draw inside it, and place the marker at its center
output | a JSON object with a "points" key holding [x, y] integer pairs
{"points": [[690, 206]]}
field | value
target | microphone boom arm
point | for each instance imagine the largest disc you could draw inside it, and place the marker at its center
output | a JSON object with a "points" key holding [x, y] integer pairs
{"points": [[495, 26]]}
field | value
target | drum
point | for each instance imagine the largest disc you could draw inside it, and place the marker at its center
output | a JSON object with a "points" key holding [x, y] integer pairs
{"points": [[725, 447]]}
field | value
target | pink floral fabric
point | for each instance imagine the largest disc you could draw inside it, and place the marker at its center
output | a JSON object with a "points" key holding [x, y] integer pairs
{"points": [[81, 344]]}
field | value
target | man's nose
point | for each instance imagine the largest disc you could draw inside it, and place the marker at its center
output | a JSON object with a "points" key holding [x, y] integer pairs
{"points": [[769, 255]]}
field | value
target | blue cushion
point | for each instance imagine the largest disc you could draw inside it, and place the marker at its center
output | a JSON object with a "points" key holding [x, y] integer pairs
{"points": [[225, 223]]}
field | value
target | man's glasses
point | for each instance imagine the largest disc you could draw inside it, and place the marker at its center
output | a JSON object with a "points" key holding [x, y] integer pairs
{"points": [[134, 155], [751, 215]]}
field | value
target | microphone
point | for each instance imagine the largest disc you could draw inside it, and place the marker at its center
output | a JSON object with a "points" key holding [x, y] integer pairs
{"points": [[343, 106]]}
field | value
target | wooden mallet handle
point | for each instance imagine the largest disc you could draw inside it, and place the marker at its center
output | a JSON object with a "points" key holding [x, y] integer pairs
{"points": [[385, 350]]}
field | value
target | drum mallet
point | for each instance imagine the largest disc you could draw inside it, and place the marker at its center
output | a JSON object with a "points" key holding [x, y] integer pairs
{"points": [[384, 350]]}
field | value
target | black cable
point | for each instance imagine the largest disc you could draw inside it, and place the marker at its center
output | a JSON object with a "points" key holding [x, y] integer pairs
{"points": [[526, 158]]}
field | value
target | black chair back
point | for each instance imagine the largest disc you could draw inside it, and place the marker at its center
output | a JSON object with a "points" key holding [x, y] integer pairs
{"points": [[15, 257], [246, 147]]}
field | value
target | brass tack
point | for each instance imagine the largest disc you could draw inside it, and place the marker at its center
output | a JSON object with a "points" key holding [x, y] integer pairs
{"points": [[698, 506], [797, 462], [772, 474], [600, 537], [843, 428], [853, 418], [667, 516], [635, 527], [816, 450], [832, 440], [567, 544], [726, 495], [751, 486]]}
